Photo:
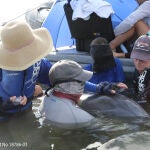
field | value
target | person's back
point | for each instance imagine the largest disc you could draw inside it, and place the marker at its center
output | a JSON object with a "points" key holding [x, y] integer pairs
{"points": [[105, 67], [114, 74]]}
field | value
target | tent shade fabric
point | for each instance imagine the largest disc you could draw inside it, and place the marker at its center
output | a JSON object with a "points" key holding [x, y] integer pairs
{"points": [[57, 25]]}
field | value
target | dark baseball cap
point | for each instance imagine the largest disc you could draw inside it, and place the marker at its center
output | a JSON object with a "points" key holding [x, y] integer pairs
{"points": [[141, 49], [68, 70]]}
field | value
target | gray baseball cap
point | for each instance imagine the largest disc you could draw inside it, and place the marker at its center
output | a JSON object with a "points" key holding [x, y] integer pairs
{"points": [[68, 70], [141, 49]]}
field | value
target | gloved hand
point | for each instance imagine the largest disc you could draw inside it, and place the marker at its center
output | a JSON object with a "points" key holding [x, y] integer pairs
{"points": [[107, 88]]}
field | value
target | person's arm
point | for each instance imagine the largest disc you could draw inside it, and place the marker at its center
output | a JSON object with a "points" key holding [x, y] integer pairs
{"points": [[104, 87], [90, 87], [38, 91], [43, 76], [140, 13]]}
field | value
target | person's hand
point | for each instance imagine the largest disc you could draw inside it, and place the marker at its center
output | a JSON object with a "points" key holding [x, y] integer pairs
{"points": [[22, 100], [110, 88], [122, 85], [118, 55], [38, 91]]}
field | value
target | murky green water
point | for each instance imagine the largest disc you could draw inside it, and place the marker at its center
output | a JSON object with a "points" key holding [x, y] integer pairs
{"points": [[26, 132]]}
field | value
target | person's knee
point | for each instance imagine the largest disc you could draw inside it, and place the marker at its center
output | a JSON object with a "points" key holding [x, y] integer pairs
{"points": [[141, 27]]}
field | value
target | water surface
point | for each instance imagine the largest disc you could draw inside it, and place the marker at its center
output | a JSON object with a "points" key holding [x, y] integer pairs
{"points": [[26, 131]]}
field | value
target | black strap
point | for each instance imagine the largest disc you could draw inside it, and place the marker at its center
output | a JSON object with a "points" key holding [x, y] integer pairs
{"points": [[65, 81], [47, 90]]}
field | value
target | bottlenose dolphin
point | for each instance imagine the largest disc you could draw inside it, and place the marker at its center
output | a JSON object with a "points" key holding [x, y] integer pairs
{"points": [[133, 141], [116, 105]]}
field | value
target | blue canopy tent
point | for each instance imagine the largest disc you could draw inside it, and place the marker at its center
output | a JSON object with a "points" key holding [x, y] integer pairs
{"points": [[57, 24], [122, 9]]}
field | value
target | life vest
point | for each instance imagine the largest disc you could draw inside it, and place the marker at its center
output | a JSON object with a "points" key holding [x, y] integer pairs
{"points": [[18, 83]]}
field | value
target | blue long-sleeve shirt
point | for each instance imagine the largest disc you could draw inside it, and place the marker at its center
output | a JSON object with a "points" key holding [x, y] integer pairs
{"points": [[114, 74], [20, 83], [23, 82], [43, 76]]}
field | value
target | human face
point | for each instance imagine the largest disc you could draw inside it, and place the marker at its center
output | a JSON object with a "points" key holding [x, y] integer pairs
{"points": [[140, 65]]}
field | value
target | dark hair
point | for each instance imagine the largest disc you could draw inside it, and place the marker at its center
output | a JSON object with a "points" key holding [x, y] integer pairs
{"points": [[99, 41], [102, 55]]}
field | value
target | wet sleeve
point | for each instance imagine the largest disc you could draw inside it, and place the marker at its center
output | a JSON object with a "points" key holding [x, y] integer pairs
{"points": [[140, 13], [90, 87]]}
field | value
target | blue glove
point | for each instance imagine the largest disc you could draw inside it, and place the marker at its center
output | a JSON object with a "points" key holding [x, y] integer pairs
{"points": [[106, 87]]}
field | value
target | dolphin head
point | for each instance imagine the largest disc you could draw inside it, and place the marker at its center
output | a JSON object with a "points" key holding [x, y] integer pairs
{"points": [[113, 105]]}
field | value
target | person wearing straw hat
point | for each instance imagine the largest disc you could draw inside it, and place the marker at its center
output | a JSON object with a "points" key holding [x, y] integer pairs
{"points": [[141, 58], [21, 53]]}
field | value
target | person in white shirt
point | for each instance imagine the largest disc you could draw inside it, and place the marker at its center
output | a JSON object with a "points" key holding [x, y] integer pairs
{"points": [[136, 24]]}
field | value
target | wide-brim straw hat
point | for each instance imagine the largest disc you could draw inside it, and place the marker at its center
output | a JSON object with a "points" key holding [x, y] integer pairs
{"points": [[21, 46]]}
